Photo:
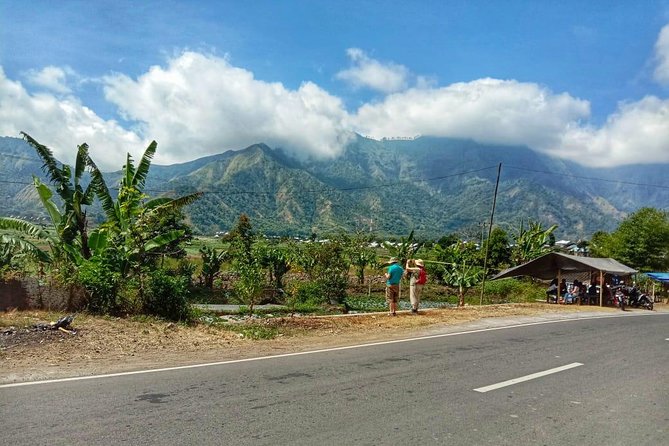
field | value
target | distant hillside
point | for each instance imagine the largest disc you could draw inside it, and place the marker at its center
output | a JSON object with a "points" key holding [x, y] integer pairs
{"points": [[433, 185], [17, 194]]}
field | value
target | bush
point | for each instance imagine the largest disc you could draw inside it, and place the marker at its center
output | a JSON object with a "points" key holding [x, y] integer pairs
{"points": [[186, 269], [166, 295], [309, 294], [366, 304], [102, 285], [511, 290]]}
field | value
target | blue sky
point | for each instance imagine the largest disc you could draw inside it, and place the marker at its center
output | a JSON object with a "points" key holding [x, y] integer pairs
{"points": [[583, 80]]}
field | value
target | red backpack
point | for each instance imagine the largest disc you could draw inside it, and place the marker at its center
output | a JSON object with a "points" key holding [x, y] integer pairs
{"points": [[422, 277]]}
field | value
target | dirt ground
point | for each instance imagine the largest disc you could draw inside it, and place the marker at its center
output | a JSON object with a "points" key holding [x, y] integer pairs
{"points": [[107, 345]]}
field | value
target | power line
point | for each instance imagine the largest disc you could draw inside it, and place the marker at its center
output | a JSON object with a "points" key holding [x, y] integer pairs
{"points": [[588, 178]]}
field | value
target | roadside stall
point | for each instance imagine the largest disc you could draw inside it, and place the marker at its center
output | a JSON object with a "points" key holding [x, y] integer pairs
{"points": [[663, 278], [556, 265]]}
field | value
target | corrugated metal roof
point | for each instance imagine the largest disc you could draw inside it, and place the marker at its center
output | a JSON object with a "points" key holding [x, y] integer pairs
{"points": [[547, 266]]}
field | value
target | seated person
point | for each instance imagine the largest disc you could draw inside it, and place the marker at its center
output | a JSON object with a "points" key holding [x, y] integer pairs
{"points": [[574, 293]]}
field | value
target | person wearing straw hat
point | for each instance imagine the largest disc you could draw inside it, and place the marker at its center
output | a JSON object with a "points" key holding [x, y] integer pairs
{"points": [[393, 277], [417, 278]]}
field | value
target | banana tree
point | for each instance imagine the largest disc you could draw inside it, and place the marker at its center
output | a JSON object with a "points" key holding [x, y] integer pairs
{"points": [[276, 259], [531, 242], [132, 227], [462, 270], [405, 249], [361, 255], [71, 223], [211, 264]]}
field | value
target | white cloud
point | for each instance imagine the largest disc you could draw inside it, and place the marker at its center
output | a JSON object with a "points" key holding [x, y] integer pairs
{"points": [[52, 78], [370, 73], [662, 57], [62, 124], [201, 104], [637, 133], [196, 105], [487, 110]]}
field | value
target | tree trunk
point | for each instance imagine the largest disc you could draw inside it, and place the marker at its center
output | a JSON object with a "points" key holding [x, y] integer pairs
{"points": [[461, 297]]}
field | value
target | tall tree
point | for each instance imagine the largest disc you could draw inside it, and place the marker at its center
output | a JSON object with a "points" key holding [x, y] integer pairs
{"points": [[499, 251], [640, 241], [242, 237]]}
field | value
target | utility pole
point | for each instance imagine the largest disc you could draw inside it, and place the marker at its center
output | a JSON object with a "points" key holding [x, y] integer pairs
{"points": [[487, 245]]}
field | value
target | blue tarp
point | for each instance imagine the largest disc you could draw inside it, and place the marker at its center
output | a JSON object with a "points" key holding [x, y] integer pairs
{"points": [[662, 277]]}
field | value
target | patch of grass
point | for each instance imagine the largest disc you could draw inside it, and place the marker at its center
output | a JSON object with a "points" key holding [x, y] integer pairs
{"points": [[379, 304], [507, 291], [197, 313], [366, 304], [254, 331], [146, 319]]}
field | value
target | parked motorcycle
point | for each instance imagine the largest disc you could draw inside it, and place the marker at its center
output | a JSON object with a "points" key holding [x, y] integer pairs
{"points": [[638, 299], [619, 297]]}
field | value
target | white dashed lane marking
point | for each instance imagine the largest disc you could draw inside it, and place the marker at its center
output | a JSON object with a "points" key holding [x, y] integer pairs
{"points": [[527, 377]]}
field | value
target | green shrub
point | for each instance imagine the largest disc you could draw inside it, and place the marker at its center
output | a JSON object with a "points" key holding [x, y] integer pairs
{"points": [[511, 290], [166, 295], [309, 294], [366, 304], [186, 269], [102, 285]]}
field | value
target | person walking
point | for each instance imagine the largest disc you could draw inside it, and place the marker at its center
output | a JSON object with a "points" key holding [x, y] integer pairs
{"points": [[417, 279], [393, 276]]}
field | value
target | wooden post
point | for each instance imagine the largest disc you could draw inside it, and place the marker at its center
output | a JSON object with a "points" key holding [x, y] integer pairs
{"points": [[601, 288], [653, 292], [559, 287]]}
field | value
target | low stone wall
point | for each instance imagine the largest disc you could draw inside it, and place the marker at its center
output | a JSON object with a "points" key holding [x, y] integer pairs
{"points": [[31, 293]]}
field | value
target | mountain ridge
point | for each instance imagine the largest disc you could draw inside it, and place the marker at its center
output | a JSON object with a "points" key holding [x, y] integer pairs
{"points": [[432, 185]]}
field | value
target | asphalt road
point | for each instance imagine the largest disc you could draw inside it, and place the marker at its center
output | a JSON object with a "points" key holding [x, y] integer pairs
{"points": [[419, 392]]}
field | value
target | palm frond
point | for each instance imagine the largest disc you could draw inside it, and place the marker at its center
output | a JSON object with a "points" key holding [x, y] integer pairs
{"points": [[156, 202], [23, 227], [177, 203], [99, 185], [139, 177], [163, 239], [45, 195], [80, 163], [19, 245], [128, 172], [50, 163], [97, 241], [88, 196]]}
